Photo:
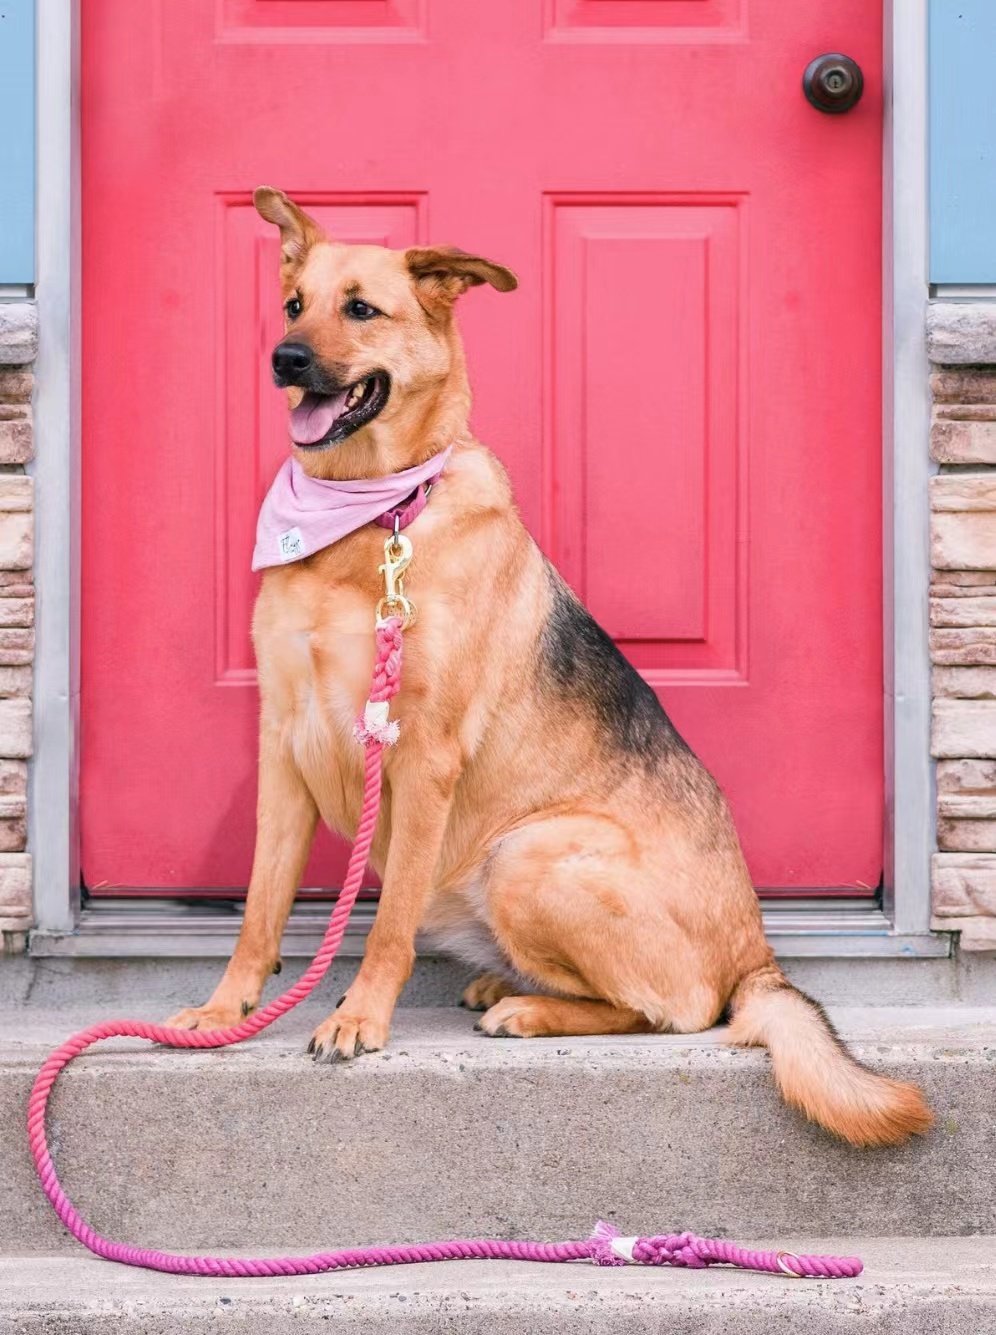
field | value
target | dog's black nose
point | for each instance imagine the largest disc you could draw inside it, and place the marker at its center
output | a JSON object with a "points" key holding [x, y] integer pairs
{"points": [[291, 360]]}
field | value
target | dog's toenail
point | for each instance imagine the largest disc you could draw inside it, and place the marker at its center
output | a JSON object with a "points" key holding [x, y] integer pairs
{"points": [[311, 1046], [341, 1000], [278, 966]]}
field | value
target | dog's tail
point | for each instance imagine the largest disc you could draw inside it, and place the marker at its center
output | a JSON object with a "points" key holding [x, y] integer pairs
{"points": [[814, 1071]]}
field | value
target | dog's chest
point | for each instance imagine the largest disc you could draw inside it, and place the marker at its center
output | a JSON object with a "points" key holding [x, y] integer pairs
{"points": [[314, 651]]}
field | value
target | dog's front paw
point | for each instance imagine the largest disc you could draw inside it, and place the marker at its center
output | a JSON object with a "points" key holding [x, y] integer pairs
{"points": [[211, 1016], [345, 1035]]}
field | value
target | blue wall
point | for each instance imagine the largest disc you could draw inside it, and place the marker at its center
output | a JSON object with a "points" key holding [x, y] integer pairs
{"points": [[962, 74], [17, 141]]}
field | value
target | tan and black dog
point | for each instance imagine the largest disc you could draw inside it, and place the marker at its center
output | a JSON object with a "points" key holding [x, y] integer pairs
{"points": [[542, 818]]}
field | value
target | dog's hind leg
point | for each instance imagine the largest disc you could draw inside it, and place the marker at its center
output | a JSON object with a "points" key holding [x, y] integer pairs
{"points": [[485, 990], [576, 909]]}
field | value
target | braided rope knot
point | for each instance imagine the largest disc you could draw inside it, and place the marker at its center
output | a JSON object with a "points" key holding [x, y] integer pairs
{"points": [[609, 1247], [674, 1249], [374, 725]]}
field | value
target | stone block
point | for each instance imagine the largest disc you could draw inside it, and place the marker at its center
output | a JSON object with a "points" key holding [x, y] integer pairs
{"points": [[17, 535], [977, 934], [963, 884], [12, 806], [16, 384], [967, 807], [16, 492], [16, 680], [965, 647], [15, 727], [966, 791], [963, 728], [964, 412], [944, 584], [961, 333], [965, 611], [963, 384], [961, 442], [957, 835], [17, 583], [953, 683], [15, 885], [966, 540], [13, 778], [17, 647], [17, 441], [18, 332], [963, 521], [963, 491], [13, 834], [17, 611]]}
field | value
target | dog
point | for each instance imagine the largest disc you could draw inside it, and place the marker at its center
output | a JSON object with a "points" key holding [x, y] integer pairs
{"points": [[542, 818]]}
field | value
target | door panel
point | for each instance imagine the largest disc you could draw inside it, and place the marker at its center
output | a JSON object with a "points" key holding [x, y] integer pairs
{"points": [[685, 388]]}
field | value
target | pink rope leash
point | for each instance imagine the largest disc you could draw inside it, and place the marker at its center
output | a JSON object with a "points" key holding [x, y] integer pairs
{"points": [[604, 1247]]}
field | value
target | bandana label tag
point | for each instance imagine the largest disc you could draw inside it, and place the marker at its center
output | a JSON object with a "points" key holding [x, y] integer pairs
{"points": [[291, 545]]}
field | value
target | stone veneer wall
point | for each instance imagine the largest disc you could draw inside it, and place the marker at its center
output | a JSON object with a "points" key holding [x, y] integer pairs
{"points": [[961, 343], [18, 344]]}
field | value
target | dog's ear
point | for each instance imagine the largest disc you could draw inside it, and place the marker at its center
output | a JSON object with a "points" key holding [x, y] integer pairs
{"points": [[298, 232], [443, 273]]}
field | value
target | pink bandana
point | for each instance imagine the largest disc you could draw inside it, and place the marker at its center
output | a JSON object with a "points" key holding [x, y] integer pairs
{"points": [[300, 514]]}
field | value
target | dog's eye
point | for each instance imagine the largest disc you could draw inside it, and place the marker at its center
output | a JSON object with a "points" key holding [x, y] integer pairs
{"points": [[293, 308], [360, 310]]}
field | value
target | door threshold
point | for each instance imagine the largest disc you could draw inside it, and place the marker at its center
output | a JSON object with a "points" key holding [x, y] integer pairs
{"points": [[163, 929]]}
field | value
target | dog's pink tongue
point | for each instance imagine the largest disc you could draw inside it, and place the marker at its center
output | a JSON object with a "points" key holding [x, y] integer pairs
{"points": [[314, 415]]}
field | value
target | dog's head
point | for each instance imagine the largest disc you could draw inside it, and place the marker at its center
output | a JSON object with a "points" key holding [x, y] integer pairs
{"points": [[369, 337]]}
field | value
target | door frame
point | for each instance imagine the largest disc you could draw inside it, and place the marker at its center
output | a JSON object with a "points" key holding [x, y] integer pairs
{"points": [[900, 926]]}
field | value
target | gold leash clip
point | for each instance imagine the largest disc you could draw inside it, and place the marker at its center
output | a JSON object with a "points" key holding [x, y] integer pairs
{"points": [[397, 558]]}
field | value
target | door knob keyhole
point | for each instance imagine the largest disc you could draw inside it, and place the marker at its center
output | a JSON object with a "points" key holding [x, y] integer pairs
{"points": [[833, 83]]}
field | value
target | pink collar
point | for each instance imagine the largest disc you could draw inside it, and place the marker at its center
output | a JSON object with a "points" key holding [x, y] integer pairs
{"points": [[300, 514]]}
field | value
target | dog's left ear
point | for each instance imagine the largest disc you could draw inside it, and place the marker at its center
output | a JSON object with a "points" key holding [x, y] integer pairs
{"points": [[443, 273]]}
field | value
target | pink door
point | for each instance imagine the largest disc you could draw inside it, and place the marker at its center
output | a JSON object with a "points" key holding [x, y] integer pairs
{"points": [[685, 388]]}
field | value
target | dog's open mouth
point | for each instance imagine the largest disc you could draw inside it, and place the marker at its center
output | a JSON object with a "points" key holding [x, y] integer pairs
{"points": [[325, 419]]}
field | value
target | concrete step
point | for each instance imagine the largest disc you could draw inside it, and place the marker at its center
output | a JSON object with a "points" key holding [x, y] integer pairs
{"points": [[165, 985], [447, 1133], [909, 1287]]}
